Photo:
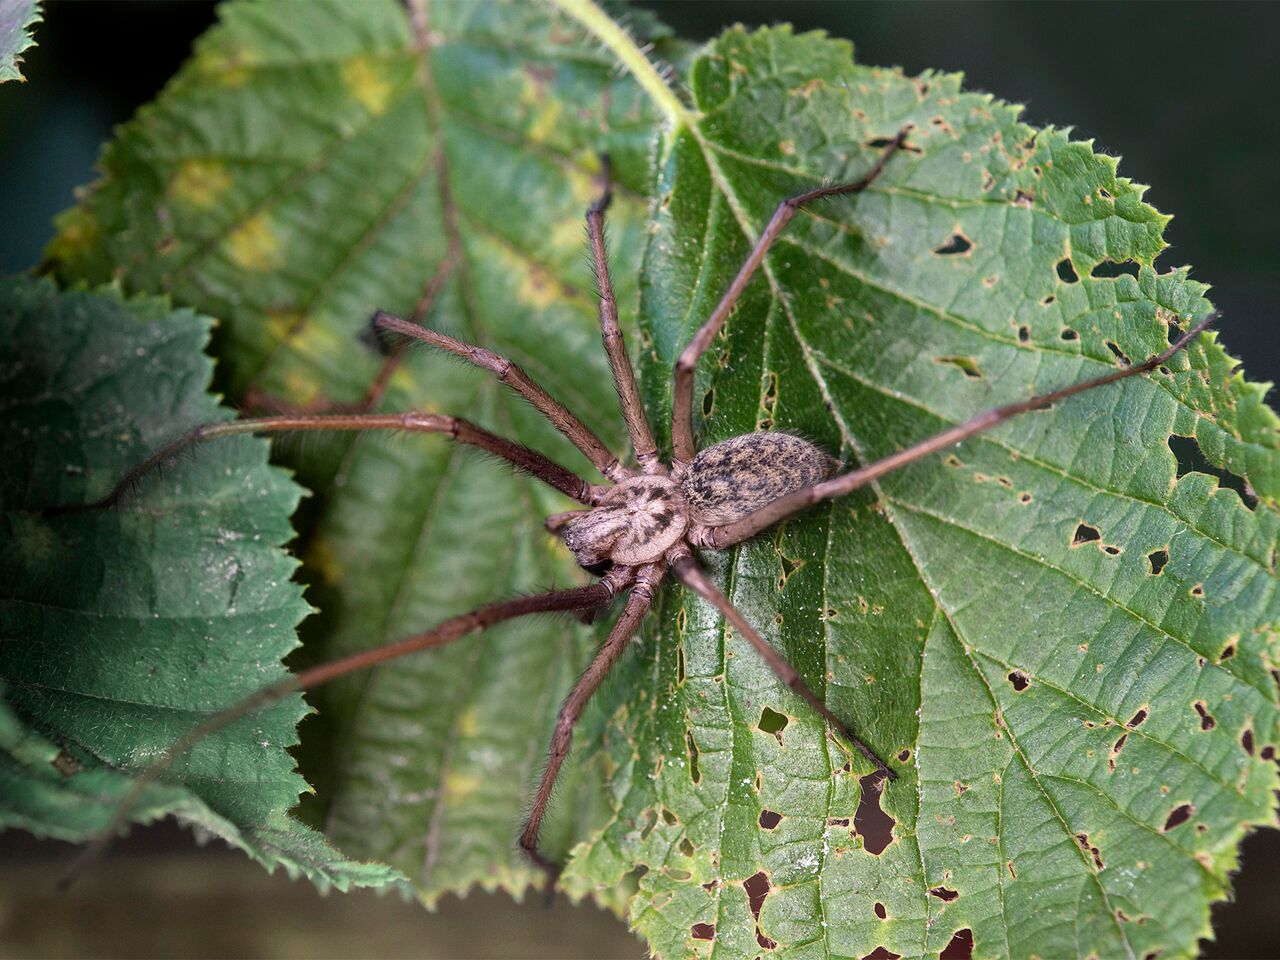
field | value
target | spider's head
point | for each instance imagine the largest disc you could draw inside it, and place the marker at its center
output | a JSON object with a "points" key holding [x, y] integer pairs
{"points": [[635, 522]]}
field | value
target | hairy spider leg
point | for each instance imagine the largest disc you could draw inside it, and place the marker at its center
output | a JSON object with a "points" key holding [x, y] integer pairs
{"points": [[510, 373], [692, 576], [554, 601], [638, 603], [729, 534], [682, 386], [624, 379], [518, 455]]}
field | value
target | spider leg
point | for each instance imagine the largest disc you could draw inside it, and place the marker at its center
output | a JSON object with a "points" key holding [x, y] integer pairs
{"points": [[638, 604], [749, 526], [512, 375], [686, 364], [577, 598], [687, 570], [519, 456], [623, 377]]}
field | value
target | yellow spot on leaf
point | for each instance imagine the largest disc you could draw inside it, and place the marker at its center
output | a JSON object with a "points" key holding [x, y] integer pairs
{"points": [[227, 67], [281, 322], [459, 786], [254, 245], [468, 724], [545, 120], [368, 83], [301, 388], [787, 148], [199, 183]]}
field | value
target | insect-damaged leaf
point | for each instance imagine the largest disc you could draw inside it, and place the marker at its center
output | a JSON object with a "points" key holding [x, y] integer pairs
{"points": [[299, 181], [125, 627], [300, 173], [1076, 727]]}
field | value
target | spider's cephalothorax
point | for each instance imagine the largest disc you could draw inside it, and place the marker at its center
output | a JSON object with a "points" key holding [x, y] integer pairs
{"points": [[647, 521], [635, 522]]}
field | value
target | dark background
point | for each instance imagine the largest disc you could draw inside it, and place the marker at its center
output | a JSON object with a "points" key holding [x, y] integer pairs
{"points": [[1184, 92]]}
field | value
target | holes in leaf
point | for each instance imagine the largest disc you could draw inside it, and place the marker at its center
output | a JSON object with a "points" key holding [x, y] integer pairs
{"points": [[1158, 560], [956, 244], [881, 912], [904, 756], [1104, 193], [1067, 271], [669, 818], [873, 824], [703, 931], [1137, 719], [695, 774], [1180, 815], [1083, 840], [1021, 198], [1024, 333], [680, 675], [1111, 550], [1119, 354], [769, 819], [1048, 301], [1246, 740], [687, 847], [708, 402], [960, 947], [1110, 269], [1115, 750], [944, 894], [757, 887], [1268, 752], [882, 953], [1186, 450], [1025, 498], [967, 365], [1206, 718], [1069, 334], [1085, 534], [772, 722], [1197, 591], [1019, 680], [1228, 651]]}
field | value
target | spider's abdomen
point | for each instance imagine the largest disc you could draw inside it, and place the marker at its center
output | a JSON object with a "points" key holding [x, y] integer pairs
{"points": [[738, 476]]}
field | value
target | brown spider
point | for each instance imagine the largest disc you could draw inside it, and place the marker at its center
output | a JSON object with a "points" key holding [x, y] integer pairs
{"points": [[647, 521]]}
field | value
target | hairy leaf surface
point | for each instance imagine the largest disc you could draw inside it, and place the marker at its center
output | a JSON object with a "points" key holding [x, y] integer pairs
{"points": [[1061, 635], [124, 628]]}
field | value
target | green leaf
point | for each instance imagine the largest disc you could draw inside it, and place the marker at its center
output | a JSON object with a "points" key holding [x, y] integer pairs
{"points": [[1060, 642], [298, 174], [125, 627], [17, 17]]}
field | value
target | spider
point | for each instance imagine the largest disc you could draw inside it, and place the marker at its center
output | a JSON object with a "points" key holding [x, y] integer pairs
{"points": [[646, 522]]}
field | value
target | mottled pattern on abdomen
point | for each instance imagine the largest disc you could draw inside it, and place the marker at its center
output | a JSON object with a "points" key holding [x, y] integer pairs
{"points": [[738, 476]]}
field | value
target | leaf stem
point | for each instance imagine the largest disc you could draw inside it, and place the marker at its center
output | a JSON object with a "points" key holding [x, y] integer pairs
{"points": [[617, 40]]}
